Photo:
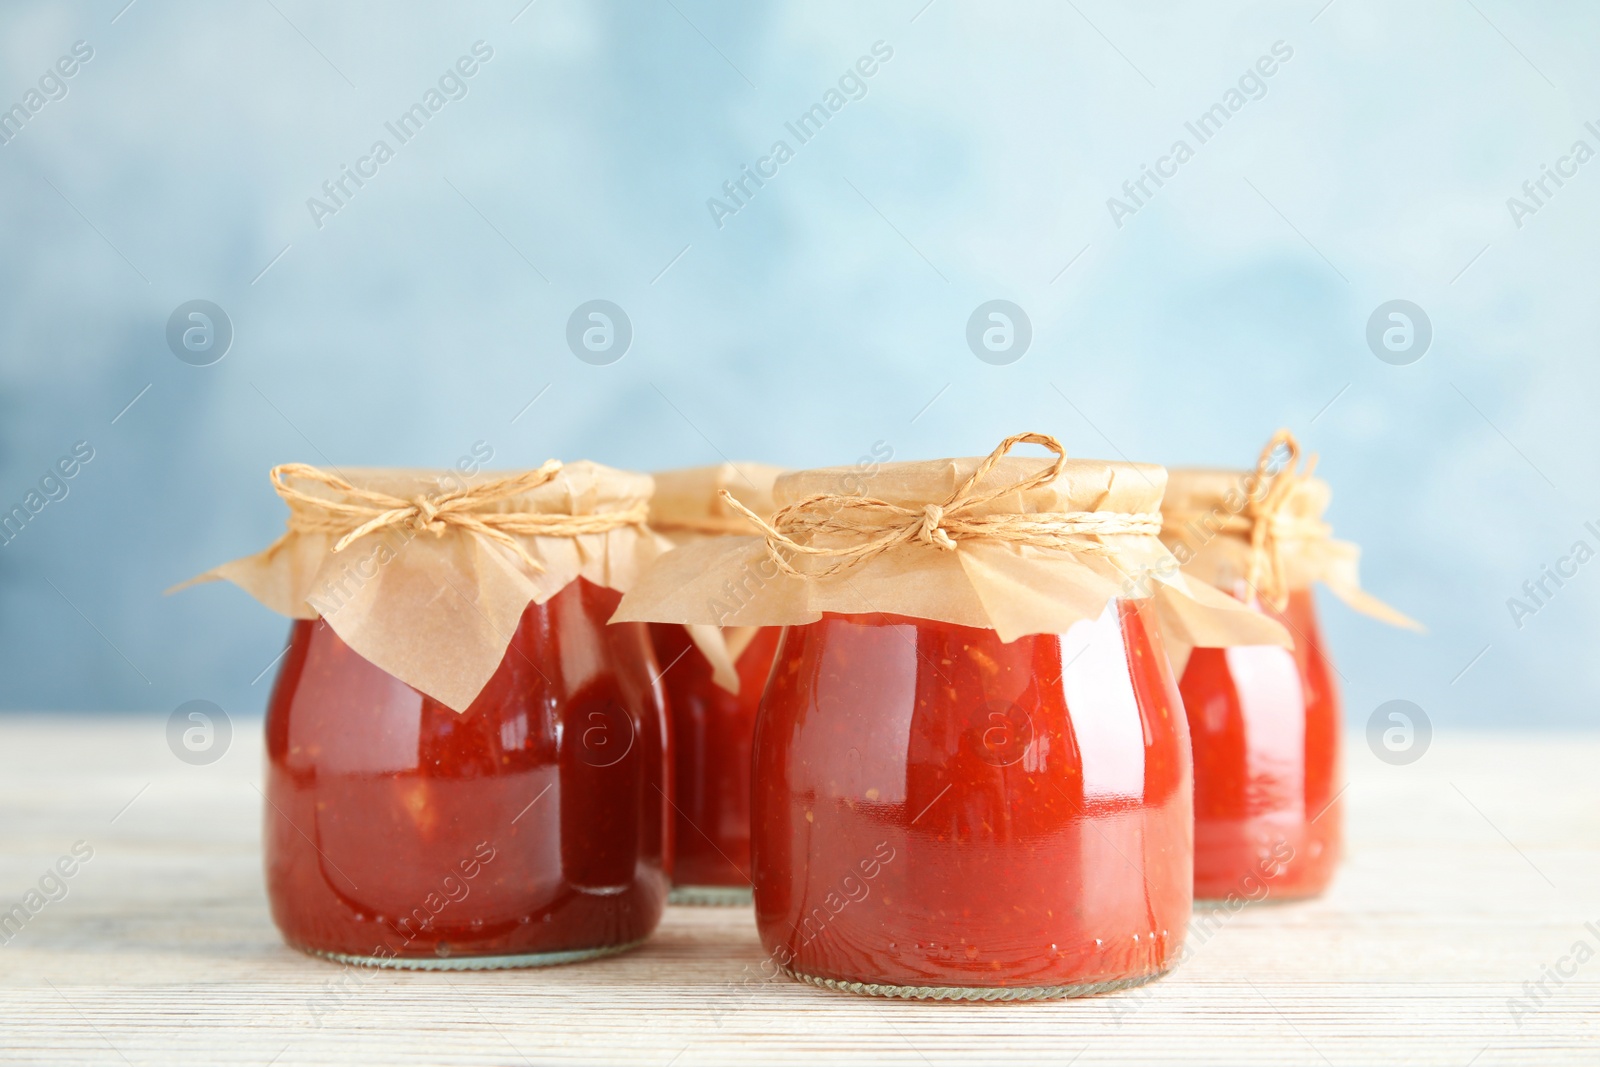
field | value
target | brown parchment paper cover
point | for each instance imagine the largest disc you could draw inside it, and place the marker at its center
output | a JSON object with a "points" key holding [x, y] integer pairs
{"points": [[1010, 587], [1209, 525], [437, 609], [688, 507]]}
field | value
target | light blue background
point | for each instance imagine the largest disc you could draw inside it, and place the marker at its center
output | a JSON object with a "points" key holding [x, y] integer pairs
{"points": [[826, 314]]}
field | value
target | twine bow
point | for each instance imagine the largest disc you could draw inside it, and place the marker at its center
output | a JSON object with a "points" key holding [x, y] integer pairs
{"points": [[868, 527], [1266, 521], [1271, 525], [360, 512]]}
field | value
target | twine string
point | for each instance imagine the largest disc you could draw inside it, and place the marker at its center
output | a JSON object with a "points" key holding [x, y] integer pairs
{"points": [[357, 512], [858, 528], [1266, 522]]}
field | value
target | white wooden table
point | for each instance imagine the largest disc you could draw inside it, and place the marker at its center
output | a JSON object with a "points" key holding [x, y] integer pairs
{"points": [[1469, 873]]}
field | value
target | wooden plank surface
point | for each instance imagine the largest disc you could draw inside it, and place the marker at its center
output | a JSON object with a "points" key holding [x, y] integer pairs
{"points": [[1470, 873]]}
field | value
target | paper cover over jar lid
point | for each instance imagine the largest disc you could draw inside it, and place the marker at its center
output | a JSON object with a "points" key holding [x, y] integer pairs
{"points": [[426, 574], [1264, 529], [688, 506], [1014, 544], [688, 502]]}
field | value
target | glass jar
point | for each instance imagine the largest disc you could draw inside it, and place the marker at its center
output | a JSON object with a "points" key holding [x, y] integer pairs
{"points": [[1265, 727], [712, 731], [529, 829], [940, 814]]}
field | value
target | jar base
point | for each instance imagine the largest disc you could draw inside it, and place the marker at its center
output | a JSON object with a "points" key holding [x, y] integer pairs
{"points": [[937, 992], [721, 896], [471, 963]]}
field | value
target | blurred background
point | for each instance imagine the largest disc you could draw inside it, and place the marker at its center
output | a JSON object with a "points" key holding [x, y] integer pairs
{"points": [[1338, 156]]}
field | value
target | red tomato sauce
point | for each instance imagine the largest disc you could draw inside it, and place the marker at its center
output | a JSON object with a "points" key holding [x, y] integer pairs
{"points": [[1265, 726], [530, 826], [712, 730], [937, 813]]}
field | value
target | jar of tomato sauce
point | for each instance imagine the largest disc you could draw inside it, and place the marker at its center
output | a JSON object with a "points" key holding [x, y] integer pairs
{"points": [[972, 770], [712, 732], [940, 813], [420, 815], [713, 679], [1265, 721]]}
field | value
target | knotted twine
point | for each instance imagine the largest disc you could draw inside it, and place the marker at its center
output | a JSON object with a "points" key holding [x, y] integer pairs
{"points": [[1266, 521], [869, 527], [1283, 543], [365, 511]]}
